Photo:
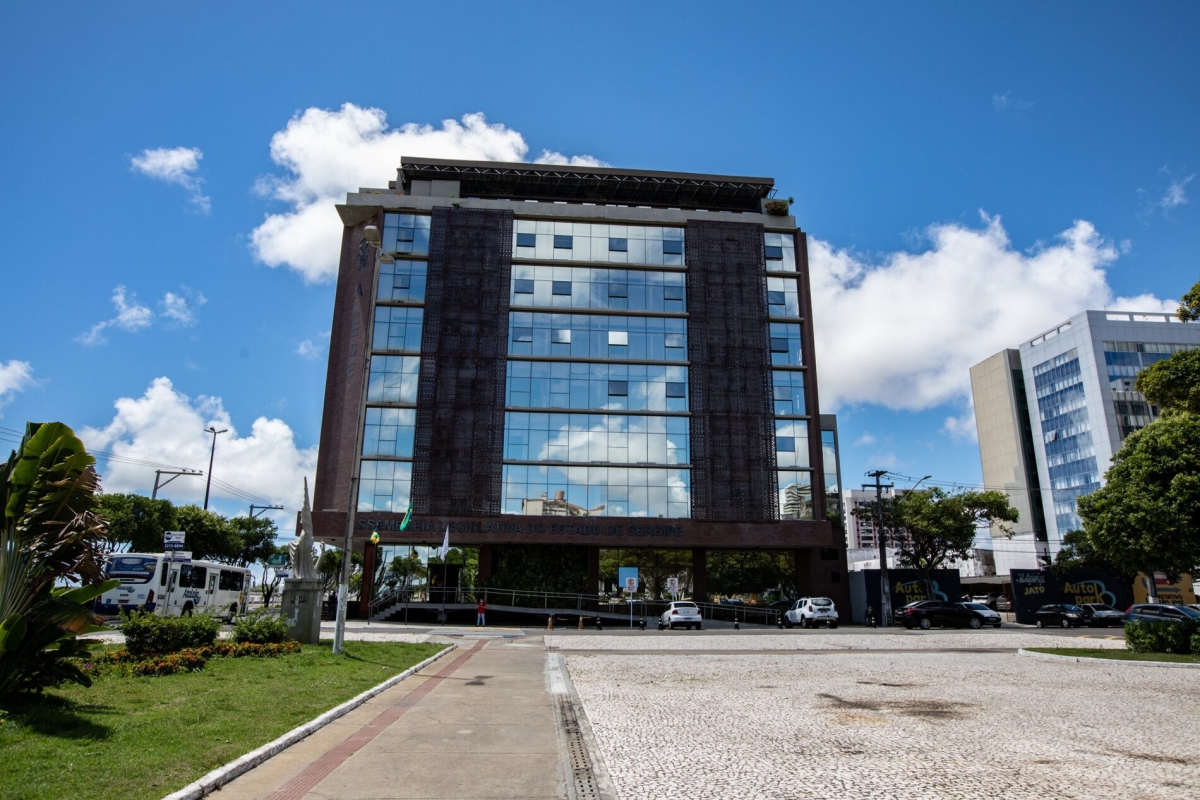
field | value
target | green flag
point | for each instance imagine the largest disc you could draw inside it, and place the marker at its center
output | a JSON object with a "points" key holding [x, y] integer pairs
{"points": [[404, 523]]}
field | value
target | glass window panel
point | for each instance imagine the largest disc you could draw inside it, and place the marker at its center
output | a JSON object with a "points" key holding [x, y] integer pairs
{"points": [[562, 287], [618, 245], [618, 337], [676, 390], [618, 290], [673, 292], [618, 388], [562, 242], [775, 298], [523, 286], [526, 240], [785, 444], [774, 253], [779, 345], [795, 495], [522, 334], [673, 247]]}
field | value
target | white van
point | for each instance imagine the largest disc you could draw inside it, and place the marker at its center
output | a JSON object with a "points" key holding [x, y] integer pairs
{"points": [[151, 582]]}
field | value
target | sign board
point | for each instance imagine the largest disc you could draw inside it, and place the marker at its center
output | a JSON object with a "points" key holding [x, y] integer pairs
{"points": [[1179, 593], [1032, 589], [905, 586], [277, 560], [673, 585], [625, 575], [173, 540], [631, 585], [283, 573]]}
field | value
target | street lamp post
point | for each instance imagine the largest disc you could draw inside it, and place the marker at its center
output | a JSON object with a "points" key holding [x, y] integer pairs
{"points": [[211, 453]]}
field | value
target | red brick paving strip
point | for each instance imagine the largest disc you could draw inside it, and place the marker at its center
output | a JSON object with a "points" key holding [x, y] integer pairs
{"points": [[320, 769]]}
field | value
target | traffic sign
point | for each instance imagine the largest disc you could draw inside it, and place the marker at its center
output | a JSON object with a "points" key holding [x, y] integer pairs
{"points": [[173, 540], [631, 584], [277, 560], [673, 585]]}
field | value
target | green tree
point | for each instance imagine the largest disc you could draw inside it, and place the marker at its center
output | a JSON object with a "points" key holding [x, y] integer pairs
{"points": [[330, 567], [1189, 308], [941, 526], [1173, 384], [208, 535], [403, 571], [256, 537], [1146, 517], [50, 534], [270, 579], [136, 523]]}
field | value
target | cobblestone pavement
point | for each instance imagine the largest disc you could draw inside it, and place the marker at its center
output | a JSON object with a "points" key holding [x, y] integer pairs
{"points": [[852, 639], [889, 725]]}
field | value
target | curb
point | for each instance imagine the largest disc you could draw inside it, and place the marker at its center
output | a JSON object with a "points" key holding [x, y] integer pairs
{"points": [[1056, 657], [226, 773]]}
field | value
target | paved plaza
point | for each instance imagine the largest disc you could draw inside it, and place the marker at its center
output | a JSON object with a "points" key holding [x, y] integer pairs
{"points": [[922, 724]]}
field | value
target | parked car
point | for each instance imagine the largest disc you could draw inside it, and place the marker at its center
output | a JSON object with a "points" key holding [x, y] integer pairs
{"points": [[925, 614], [1098, 615], [981, 615], [680, 614], [1003, 603], [1149, 612], [1064, 615], [809, 612]]}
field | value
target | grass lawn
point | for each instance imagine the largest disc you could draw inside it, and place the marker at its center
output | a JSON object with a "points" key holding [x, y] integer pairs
{"points": [[147, 737], [1116, 655]]}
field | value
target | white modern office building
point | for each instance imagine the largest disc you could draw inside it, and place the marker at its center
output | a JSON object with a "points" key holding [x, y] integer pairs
{"points": [[1051, 414]]}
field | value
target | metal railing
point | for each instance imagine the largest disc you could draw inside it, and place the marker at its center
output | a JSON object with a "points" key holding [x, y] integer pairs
{"points": [[585, 604]]}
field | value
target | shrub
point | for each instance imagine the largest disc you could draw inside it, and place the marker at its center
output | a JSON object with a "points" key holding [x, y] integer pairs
{"points": [[146, 634], [1196, 641], [778, 207], [183, 661], [264, 650], [260, 627], [1160, 636]]}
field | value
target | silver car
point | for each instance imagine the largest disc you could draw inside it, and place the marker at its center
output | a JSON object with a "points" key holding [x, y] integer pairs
{"points": [[680, 614]]}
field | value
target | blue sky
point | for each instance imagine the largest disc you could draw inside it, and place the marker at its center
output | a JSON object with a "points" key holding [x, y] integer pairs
{"points": [[970, 175]]}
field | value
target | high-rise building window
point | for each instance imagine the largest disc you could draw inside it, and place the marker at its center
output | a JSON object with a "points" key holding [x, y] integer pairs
{"points": [[599, 242], [393, 379], [599, 288], [780, 251], [406, 233]]}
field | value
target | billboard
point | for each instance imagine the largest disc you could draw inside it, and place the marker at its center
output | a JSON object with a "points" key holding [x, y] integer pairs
{"points": [[1032, 589], [1178, 592], [906, 586]]}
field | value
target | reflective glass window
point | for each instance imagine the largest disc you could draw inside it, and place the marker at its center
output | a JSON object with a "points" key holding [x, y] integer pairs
{"points": [[389, 432], [788, 392], [795, 494], [598, 288], [596, 491], [618, 388], [398, 328], [783, 298], [603, 242], [406, 233], [598, 336], [384, 485], [791, 442], [393, 379], [628, 439], [786, 347], [781, 252], [402, 280], [581, 386]]}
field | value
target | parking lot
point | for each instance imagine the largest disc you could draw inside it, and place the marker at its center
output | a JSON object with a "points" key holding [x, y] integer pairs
{"points": [[865, 714]]}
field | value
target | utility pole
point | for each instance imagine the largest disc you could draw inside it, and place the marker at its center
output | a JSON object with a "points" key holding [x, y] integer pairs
{"points": [[158, 482], [211, 429], [885, 595]]}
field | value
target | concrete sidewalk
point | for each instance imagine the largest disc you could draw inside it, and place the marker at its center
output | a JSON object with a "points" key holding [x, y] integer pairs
{"points": [[475, 724]]}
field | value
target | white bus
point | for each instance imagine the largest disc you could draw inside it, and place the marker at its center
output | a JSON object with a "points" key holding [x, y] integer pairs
{"points": [[151, 582]]}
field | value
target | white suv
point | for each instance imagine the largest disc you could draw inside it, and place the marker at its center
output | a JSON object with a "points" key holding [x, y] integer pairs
{"points": [[809, 612], [680, 614]]}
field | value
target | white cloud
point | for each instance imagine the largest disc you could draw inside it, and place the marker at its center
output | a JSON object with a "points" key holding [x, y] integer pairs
{"points": [[177, 309], [15, 376], [555, 157], [328, 153], [962, 428], [308, 349], [1174, 196], [903, 330], [131, 317], [181, 308], [1006, 101], [176, 165], [165, 426], [864, 439]]}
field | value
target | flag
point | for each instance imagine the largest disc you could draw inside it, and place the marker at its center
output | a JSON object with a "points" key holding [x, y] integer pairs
{"points": [[375, 536], [445, 544], [404, 523]]}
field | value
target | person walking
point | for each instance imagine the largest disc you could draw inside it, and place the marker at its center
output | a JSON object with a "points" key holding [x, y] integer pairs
{"points": [[871, 616], [480, 611]]}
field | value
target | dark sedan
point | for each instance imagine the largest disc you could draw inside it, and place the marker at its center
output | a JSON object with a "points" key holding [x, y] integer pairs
{"points": [[1150, 612], [924, 614], [1099, 615], [1062, 615]]}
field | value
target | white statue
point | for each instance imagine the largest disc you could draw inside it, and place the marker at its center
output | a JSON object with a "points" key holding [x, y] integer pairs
{"points": [[300, 551]]}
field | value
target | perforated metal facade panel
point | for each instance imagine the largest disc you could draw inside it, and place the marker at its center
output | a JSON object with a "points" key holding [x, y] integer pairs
{"points": [[733, 427], [459, 442]]}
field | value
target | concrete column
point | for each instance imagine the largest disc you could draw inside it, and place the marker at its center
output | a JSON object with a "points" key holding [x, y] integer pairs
{"points": [[485, 563], [803, 575], [700, 575], [593, 576]]}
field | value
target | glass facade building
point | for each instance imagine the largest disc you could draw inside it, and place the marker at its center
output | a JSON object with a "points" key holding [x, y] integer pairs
{"points": [[632, 349], [1051, 415]]}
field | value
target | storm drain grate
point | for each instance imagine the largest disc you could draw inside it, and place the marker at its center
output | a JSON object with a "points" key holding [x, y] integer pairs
{"points": [[581, 783]]}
